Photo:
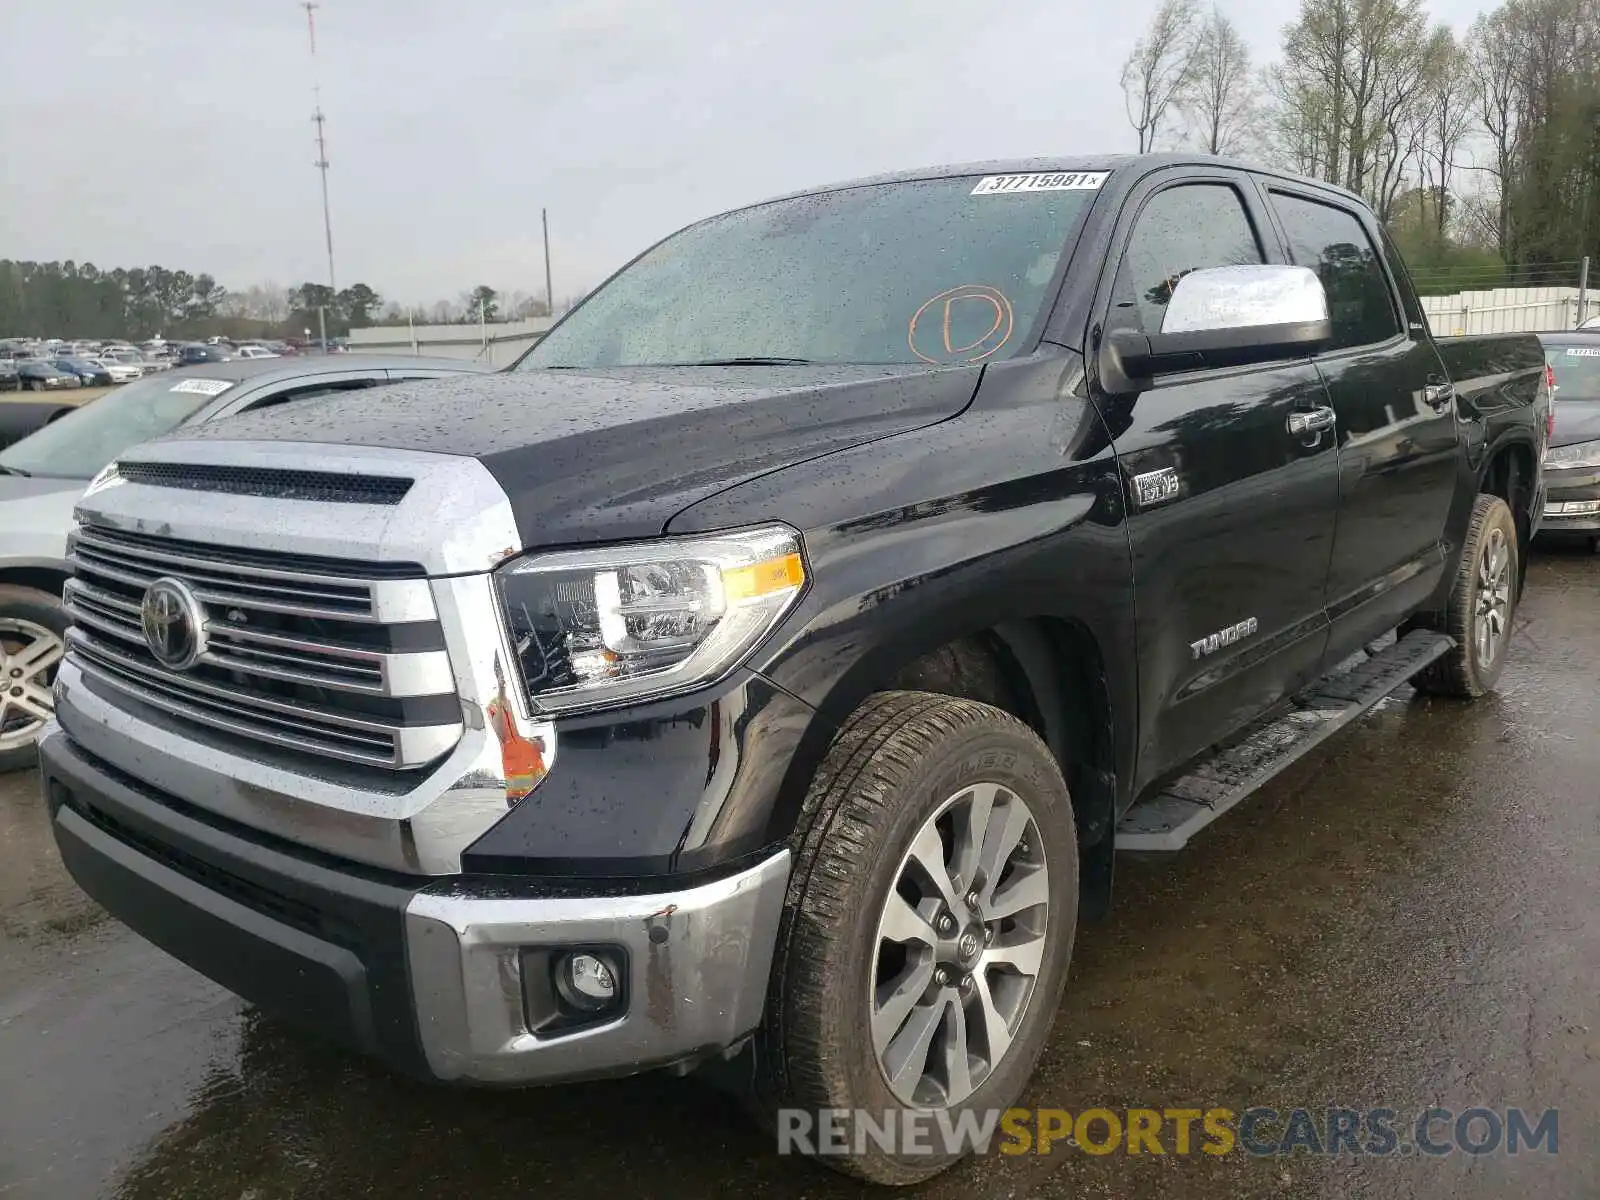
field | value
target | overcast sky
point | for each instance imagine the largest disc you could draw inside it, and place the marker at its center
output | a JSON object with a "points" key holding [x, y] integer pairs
{"points": [[178, 131]]}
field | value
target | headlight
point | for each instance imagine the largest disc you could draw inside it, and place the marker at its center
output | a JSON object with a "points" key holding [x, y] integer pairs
{"points": [[594, 628], [1582, 454]]}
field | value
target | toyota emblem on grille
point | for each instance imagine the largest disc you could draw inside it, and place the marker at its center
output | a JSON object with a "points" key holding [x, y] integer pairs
{"points": [[174, 624]]}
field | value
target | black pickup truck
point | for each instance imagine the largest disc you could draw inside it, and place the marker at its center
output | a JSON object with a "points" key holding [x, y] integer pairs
{"points": [[770, 664]]}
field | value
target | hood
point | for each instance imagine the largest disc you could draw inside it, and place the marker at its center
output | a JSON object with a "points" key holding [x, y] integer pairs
{"points": [[35, 518], [615, 454], [1576, 421]]}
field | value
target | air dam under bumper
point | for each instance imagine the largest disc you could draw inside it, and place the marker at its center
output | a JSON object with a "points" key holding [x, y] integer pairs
{"points": [[431, 980]]}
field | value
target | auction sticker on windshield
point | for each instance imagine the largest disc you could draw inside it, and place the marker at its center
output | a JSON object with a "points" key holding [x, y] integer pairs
{"points": [[1047, 181], [203, 387]]}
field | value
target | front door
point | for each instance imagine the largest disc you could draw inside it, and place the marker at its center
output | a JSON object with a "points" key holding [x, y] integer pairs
{"points": [[1230, 514], [1398, 453]]}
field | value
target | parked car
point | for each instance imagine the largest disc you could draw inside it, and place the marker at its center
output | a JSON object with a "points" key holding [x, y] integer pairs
{"points": [[40, 374], [8, 376], [90, 372], [155, 357], [770, 664], [1572, 463], [43, 475], [120, 371], [249, 351], [192, 353]]}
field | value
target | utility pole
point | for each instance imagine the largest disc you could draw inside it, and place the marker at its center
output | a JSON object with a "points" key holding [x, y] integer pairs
{"points": [[549, 293], [1583, 292], [322, 146]]}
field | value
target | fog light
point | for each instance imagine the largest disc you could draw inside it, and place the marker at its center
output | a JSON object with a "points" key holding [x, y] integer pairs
{"points": [[586, 981]]}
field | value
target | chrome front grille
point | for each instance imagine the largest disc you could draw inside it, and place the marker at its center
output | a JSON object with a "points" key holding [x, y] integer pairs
{"points": [[307, 587], [341, 659]]}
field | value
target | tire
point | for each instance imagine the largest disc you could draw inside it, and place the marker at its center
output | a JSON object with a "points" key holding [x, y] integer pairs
{"points": [[32, 623], [902, 760], [35, 385], [1487, 578]]}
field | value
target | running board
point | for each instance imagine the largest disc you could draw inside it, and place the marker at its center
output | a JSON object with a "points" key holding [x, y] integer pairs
{"points": [[1169, 818]]}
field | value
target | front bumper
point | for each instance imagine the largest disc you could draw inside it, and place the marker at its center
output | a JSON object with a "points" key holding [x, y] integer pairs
{"points": [[1572, 502], [440, 979]]}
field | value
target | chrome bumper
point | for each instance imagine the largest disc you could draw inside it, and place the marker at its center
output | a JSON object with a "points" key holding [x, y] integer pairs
{"points": [[450, 982], [696, 966]]}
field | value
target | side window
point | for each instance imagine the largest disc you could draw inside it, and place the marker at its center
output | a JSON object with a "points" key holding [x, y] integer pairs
{"points": [[1179, 230], [274, 399], [1334, 244]]}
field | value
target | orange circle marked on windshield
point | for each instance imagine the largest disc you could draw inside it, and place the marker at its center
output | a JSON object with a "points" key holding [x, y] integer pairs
{"points": [[932, 340]]}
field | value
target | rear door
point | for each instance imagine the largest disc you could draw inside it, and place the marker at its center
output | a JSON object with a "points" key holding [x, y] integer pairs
{"points": [[1399, 458], [1230, 515]]}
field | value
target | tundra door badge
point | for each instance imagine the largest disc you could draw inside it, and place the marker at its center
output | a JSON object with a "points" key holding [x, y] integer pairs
{"points": [[1213, 642]]}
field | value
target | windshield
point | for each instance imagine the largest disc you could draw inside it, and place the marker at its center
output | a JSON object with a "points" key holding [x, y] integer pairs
{"points": [[80, 443], [939, 270], [1577, 371]]}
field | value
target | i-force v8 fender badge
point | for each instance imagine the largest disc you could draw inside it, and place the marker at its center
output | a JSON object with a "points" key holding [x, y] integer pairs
{"points": [[1156, 487]]}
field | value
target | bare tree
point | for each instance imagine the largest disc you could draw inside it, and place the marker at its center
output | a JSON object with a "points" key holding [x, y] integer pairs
{"points": [[1402, 113], [1221, 95], [258, 302], [1448, 123], [1350, 98], [1495, 69], [1159, 69], [520, 305]]}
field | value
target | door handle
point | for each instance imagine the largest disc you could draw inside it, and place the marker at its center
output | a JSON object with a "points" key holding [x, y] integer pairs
{"points": [[1311, 421], [1438, 392]]}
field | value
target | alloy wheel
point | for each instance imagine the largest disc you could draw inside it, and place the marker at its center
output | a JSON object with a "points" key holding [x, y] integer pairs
{"points": [[959, 948], [1493, 612], [29, 654]]}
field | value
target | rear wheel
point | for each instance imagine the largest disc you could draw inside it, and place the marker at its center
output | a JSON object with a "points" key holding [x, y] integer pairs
{"points": [[930, 921], [1482, 605]]}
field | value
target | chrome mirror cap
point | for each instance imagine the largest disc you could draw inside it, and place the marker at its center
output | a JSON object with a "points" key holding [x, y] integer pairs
{"points": [[1216, 298]]}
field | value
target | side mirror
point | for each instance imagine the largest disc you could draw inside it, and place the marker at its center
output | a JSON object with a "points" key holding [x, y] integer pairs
{"points": [[1224, 316]]}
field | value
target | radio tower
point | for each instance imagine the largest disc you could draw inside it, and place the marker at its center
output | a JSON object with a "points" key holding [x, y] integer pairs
{"points": [[322, 146]]}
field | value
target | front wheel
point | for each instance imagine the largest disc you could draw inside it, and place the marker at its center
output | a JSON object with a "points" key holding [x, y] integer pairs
{"points": [[1482, 605], [33, 625], [930, 921]]}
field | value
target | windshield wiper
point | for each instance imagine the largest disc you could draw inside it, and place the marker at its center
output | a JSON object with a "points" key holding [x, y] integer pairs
{"points": [[749, 361], [5, 470]]}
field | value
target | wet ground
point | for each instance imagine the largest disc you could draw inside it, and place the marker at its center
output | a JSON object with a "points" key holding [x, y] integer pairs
{"points": [[1407, 918]]}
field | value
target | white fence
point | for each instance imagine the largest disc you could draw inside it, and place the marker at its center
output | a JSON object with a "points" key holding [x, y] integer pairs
{"points": [[1506, 310], [498, 343]]}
